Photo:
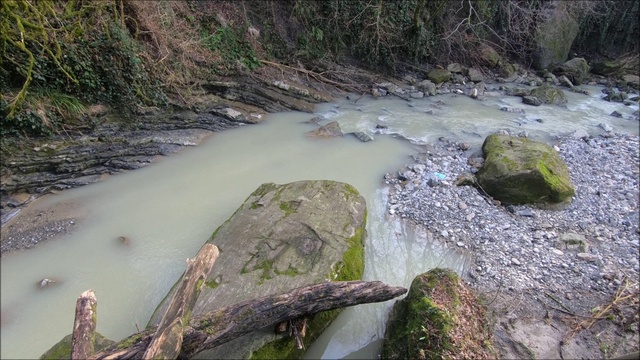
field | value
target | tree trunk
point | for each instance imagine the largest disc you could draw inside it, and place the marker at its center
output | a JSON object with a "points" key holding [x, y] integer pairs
{"points": [[167, 341], [84, 326], [222, 325]]}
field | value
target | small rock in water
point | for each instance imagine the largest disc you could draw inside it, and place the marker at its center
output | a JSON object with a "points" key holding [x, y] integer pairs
{"points": [[44, 282], [605, 127], [124, 240], [512, 110], [616, 114], [531, 100]]}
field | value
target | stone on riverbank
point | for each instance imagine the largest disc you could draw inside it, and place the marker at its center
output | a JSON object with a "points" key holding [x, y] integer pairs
{"points": [[440, 318], [576, 69], [281, 238], [438, 76], [522, 171]]}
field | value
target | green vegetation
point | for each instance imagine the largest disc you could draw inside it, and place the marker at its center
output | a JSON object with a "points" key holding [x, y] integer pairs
{"points": [[62, 350], [439, 318], [58, 57], [212, 284]]}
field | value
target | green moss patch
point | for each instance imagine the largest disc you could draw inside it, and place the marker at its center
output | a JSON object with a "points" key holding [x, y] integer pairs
{"points": [[62, 350], [521, 171], [439, 318]]}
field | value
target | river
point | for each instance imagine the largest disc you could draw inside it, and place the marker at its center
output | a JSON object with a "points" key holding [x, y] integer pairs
{"points": [[170, 208]]}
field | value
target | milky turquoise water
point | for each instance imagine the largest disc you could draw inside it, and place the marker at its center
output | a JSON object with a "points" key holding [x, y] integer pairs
{"points": [[170, 208]]}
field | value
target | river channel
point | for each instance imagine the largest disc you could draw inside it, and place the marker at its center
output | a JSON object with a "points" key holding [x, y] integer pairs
{"points": [[170, 208]]}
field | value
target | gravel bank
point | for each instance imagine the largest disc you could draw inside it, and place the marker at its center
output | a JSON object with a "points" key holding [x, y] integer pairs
{"points": [[591, 245], [39, 222], [542, 265]]}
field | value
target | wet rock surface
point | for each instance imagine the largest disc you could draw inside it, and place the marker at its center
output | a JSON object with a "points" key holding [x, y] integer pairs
{"points": [[281, 238], [525, 258]]}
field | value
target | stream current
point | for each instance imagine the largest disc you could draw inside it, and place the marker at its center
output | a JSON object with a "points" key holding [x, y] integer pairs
{"points": [[169, 209]]}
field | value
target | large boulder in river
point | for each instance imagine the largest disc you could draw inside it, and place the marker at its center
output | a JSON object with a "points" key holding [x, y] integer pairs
{"points": [[548, 94], [522, 171], [282, 237], [440, 318]]}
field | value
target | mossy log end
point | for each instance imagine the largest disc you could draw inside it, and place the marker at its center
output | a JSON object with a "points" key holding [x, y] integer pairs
{"points": [[167, 341], [84, 326], [222, 325]]}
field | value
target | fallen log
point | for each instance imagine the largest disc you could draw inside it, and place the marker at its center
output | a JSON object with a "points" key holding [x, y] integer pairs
{"points": [[167, 341], [84, 326], [222, 325]]}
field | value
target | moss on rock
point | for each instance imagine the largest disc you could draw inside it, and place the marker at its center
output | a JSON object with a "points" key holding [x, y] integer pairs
{"points": [[283, 237], [438, 76], [522, 171], [548, 94], [440, 318], [62, 350]]}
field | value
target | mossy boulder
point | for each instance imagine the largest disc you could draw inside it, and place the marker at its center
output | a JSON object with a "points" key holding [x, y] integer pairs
{"points": [[548, 94], [490, 56], [283, 237], [576, 69], [554, 38], [62, 350], [507, 71], [441, 318], [522, 171], [438, 76], [607, 68]]}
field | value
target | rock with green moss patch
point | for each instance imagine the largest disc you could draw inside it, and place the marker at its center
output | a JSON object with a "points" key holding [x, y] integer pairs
{"points": [[522, 171], [438, 76], [283, 237], [576, 69], [441, 318], [548, 94], [553, 39], [490, 56], [62, 350]]}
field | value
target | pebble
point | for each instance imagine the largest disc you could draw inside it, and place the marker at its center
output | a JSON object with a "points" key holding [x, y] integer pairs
{"points": [[604, 171]]}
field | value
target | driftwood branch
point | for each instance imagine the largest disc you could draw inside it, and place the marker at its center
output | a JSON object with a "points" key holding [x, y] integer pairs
{"points": [[314, 75], [220, 326], [84, 326], [167, 341]]}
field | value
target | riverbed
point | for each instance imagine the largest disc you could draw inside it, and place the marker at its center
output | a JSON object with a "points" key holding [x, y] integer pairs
{"points": [[169, 209]]}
